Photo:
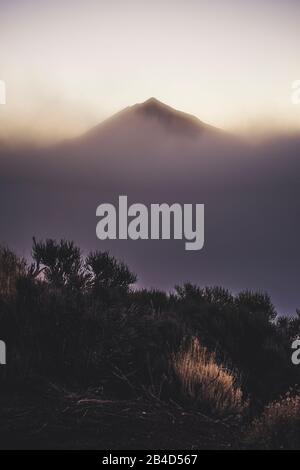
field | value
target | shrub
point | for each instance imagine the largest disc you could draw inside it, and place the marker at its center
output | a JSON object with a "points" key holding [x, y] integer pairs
{"points": [[78, 320], [279, 425], [205, 383], [11, 268]]}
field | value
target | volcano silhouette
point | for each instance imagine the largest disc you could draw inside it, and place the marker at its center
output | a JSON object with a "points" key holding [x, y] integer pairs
{"points": [[144, 139], [154, 112], [155, 154], [151, 116]]}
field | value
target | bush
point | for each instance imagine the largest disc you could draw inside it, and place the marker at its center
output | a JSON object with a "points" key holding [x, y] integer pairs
{"points": [[205, 383], [77, 320], [11, 268], [279, 425]]}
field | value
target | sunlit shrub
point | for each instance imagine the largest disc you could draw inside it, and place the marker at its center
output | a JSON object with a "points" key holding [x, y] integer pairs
{"points": [[279, 425], [205, 383]]}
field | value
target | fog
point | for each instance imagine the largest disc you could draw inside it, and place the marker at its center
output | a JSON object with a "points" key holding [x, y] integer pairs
{"points": [[250, 189]]}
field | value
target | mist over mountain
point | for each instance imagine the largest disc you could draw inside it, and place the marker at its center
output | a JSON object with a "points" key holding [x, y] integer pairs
{"points": [[155, 154]]}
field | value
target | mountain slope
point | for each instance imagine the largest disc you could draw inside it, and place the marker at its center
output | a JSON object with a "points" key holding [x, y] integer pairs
{"points": [[154, 112], [149, 139]]}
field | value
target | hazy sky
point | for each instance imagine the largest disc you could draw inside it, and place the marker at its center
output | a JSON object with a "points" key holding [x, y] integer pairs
{"points": [[70, 63]]}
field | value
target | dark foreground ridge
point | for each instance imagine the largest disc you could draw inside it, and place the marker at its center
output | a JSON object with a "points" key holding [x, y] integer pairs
{"points": [[77, 421], [94, 363]]}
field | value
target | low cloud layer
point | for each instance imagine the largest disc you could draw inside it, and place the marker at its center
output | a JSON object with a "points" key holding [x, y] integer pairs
{"points": [[250, 191]]}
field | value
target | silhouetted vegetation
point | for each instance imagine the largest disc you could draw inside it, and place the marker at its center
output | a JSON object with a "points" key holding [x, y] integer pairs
{"points": [[278, 426], [80, 322]]}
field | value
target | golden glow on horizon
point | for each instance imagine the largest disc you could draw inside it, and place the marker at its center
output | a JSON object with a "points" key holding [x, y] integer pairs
{"points": [[69, 64]]}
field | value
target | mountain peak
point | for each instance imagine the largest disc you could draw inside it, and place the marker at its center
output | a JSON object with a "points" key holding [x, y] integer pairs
{"points": [[153, 105], [152, 100], [152, 111], [175, 120]]}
